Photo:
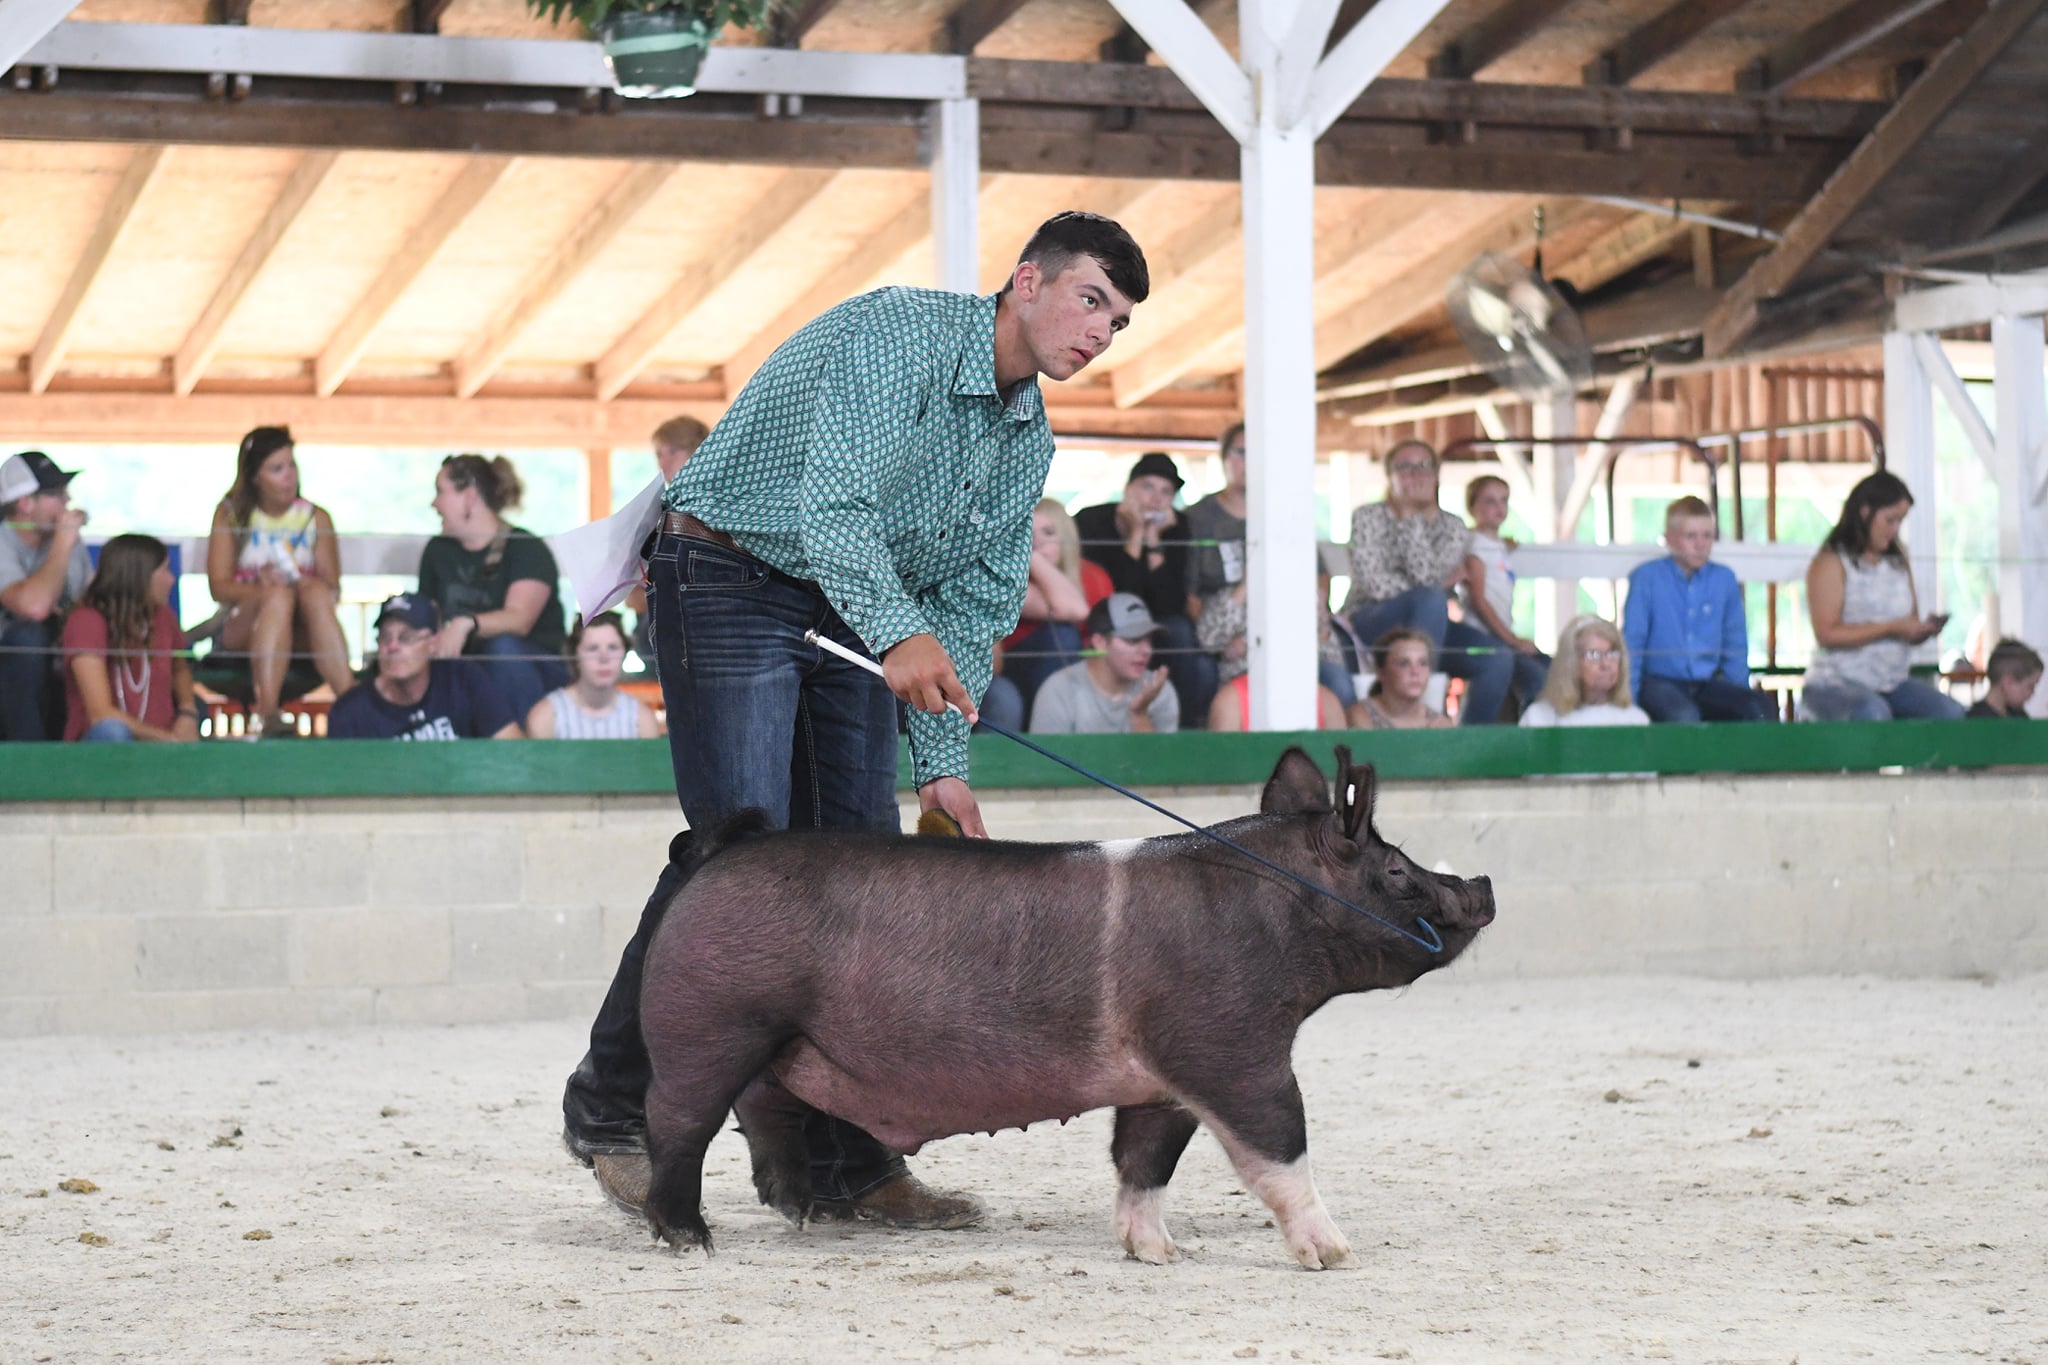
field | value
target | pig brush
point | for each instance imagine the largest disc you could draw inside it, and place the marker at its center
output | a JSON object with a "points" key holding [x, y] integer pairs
{"points": [[1428, 939]]}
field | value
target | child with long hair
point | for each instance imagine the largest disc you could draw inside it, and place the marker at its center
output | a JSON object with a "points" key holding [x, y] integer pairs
{"points": [[273, 561], [1403, 659], [592, 706], [125, 675]]}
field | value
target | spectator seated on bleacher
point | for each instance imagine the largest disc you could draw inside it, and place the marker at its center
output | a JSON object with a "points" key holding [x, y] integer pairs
{"points": [[1057, 597], [44, 568], [1588, 682], [1403, 659], [416, 695], [1866, 616], [494, 582], [1115, 690], [272, 560], [2012, 673], [1486, 594], [1406, 554], [1688, 638], [124, 668], [592, 706]]}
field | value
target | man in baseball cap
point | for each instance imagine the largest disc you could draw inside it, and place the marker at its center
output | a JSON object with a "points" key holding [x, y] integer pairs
{"points": [[415, 695], [1115, 690], [44, 568]]}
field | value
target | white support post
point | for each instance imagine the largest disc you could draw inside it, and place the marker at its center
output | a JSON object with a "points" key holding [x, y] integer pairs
{"points": [[1909, 453], [956, 194], [24, 23], [2022, 428], [1935, 362], [1551, 469]]}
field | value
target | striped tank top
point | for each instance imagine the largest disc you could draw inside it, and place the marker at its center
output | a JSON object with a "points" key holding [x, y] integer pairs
{"points": [[622, 721]]}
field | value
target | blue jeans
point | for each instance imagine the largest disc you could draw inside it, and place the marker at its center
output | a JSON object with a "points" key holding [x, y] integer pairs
{"points": [[108, 731], [756, 717], [1003, 704], [1681, 701], [29, 693], [1464, 651], [1190, 668], [1910, 700], [520, 672]]}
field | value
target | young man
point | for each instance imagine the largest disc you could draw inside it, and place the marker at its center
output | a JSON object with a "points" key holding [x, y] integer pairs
{"points": [[1115, 691], [1142, 543], [874, 481], [2014, 671], [1487, 592], [415, 695], [44, 568], [1688, 641]]}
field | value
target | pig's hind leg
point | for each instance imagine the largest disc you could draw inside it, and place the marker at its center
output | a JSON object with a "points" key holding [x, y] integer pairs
{"points": [[694, 1087], [1265, 1134], [773, 1121], [1147, 1146]]}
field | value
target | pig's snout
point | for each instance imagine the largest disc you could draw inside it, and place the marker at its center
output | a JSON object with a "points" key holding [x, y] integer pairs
{"points": [[1475, 906]]}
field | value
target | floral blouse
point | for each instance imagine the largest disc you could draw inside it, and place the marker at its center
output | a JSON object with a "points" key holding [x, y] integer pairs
{"points": [[1390, 554]]}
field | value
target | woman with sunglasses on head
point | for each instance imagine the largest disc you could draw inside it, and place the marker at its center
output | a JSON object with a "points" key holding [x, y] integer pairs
{"points": [[273, 561], [1407, 553], [1588, 680], [125, 675]]}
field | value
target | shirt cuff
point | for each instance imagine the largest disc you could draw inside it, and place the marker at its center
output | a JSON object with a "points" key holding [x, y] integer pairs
{"points": [[887, 627], [938, 747]]}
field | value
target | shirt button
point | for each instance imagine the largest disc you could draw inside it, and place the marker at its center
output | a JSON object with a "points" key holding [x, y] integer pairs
{"points": [[966, 484]]}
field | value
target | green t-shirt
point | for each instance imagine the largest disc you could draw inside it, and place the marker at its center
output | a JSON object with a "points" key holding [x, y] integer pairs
{"points": [[462, 583]]}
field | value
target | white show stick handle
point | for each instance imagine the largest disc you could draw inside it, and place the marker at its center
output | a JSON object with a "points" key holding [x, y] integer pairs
{"points": [[811, 637]]}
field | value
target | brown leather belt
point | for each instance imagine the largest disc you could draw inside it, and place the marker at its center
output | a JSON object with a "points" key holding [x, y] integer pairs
{"points": [[683, 524]]}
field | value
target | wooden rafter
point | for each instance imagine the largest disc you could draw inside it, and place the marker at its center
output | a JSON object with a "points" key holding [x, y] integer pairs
{"points": [[2023, 172], [1493, 37], [1857, 178], [1835, 39], [790, 24], [1640, 237], [1650, 42], [977, 19], [115, 217], [422, 244], [197, 350], [643, 340], [482, 357]]}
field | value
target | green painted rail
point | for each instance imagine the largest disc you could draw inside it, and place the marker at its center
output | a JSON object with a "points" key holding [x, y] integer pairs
{"points": [[359, 768]]}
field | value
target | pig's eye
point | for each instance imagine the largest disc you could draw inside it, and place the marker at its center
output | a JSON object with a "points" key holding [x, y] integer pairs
{"points": [[1396, 870]]}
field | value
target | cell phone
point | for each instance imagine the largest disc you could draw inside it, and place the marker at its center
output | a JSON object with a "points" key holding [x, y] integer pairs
{"points": [[1938, 620]]}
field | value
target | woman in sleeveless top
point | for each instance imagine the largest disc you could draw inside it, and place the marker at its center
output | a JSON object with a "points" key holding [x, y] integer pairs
{"points": [[1866, 617], [592, 706], [1402, 658], [272, 560]]}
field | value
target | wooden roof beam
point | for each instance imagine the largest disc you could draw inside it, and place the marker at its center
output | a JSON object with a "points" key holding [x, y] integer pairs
{"points": [[1952, 74], [630, 354], [977, 19], [790, 24], [1493, 37], [422, 244], [200, 344], [115, 217], [482, 357], [1649, 43], [1628, 244], [2023, 172], [1833, 40]]}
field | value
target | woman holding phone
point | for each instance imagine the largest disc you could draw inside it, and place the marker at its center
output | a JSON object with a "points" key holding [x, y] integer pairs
{"points": [[1866, 617]]}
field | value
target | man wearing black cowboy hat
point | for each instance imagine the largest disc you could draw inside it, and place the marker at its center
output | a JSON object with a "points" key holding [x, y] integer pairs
{"points": [[43, 570], [1142, 542]]}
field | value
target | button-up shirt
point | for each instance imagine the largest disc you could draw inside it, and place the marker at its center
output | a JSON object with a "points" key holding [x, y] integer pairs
{"points": [[1691, 629], [872, 454]]}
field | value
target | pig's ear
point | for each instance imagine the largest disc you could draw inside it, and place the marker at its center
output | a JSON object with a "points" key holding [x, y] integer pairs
{"points": [[1296, 785], [1357, 789]]}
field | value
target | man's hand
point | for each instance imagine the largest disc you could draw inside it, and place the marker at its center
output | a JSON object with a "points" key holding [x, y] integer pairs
{"points": [[454, 635], [952, 796], [918, 671], [70, 522], [1149, 693]]}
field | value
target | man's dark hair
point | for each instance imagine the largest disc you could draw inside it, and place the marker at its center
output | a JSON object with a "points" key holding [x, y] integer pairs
{"points": [[1064, 237]]}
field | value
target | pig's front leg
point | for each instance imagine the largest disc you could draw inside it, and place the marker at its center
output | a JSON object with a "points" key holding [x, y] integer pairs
{"points": [[1265, 1135], [1147, 1146]]}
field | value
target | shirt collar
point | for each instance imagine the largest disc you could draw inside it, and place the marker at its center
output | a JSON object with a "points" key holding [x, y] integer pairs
{"points": [[976, 373]]}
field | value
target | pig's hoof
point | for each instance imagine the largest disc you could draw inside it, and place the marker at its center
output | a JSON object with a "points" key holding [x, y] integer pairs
{"points": [[1158, 1250], [1326, 1256]]}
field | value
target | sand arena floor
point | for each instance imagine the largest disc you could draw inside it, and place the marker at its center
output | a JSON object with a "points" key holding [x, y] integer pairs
{"points": [[1854, 1170]]}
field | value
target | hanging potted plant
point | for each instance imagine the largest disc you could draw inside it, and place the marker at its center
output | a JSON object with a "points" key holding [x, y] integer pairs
{"points": [[654, 47]]}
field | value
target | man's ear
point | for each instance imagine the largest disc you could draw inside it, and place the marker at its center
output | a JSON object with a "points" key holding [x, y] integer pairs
{"points": [[1296, 785]]}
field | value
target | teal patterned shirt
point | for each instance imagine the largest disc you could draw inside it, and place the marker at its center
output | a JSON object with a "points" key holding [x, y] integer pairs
{"points": [[872, 454]]}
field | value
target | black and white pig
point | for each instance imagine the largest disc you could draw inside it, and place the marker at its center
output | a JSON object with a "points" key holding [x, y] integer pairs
{"points": [[923, 987]]}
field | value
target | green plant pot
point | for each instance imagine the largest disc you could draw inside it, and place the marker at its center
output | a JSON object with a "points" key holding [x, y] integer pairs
{"points": [[654, 54]]}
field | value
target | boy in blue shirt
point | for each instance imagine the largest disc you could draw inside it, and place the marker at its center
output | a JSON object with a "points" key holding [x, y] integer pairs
{"points": [[1688, 643]]}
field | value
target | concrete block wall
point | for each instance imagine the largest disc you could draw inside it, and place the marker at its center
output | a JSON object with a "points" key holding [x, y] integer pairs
{"points": [[142, 916]]}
